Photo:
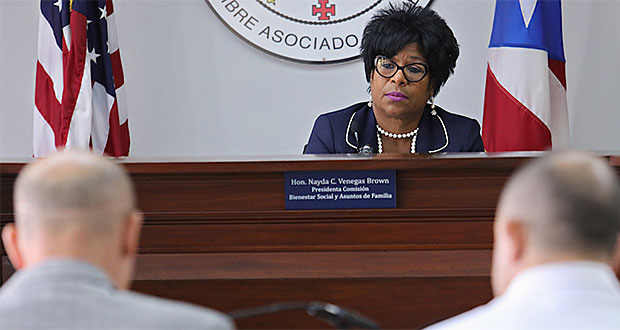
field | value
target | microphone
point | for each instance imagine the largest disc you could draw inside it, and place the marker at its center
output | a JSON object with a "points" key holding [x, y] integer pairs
{"points": [[366, 149], [338, 317]]}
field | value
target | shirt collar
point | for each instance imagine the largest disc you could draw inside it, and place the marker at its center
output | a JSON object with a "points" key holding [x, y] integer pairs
{"points": [[564, 275]]}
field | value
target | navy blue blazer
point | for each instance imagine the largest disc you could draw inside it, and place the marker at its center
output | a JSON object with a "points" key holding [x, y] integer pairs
{"points": [[334, 132]]}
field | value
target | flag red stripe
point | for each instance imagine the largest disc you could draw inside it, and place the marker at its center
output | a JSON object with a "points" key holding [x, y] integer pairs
{"points": [[73, 64], [118, 136], [124, 136], [508, 125], [46, 102], [117, 69], [559, 70], [109, 7]]}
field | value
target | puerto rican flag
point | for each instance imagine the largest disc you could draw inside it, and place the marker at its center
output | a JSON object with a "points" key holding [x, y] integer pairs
{"points": [[525, 97], [79, 80]]}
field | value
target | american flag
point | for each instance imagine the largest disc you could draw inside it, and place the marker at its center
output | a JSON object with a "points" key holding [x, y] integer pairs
{"points": [[525, 99], [79, 80]]}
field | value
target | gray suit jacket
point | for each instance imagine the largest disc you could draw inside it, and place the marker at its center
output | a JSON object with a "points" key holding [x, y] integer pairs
{"points": [[69, 294]]}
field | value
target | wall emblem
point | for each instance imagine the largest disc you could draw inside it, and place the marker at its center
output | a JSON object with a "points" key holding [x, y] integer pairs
{"points": [[310, 31]]}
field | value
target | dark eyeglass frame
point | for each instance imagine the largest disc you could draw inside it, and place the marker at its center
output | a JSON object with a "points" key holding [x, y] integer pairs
{"points": [[398, 67]]}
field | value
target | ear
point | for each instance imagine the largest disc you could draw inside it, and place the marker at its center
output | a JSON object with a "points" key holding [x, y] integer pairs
{"points": [[516, 234], [131, 238], [9, 238]]}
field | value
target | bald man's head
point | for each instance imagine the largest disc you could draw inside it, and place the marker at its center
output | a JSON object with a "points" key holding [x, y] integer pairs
{"points": [[565, 206], [72, 188], [75, 205], [570, 202]]}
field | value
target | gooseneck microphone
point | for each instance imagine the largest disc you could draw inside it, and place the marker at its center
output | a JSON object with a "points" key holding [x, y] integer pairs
{"points": [[340, 317], [366, 149], [336, 316]]}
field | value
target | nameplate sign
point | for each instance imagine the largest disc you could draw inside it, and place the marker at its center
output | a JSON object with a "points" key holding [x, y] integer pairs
{"points": [[318, 190]]}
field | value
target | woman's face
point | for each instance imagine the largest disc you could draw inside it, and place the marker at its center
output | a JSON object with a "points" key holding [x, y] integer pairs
{"points": [[397, 98]]}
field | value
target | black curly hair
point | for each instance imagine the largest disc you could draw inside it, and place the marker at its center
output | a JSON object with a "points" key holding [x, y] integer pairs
{"points": [[395, 27]]}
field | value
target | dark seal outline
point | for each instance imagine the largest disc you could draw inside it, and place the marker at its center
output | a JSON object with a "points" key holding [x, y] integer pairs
{"points": [[297, 20], [290, 59]]}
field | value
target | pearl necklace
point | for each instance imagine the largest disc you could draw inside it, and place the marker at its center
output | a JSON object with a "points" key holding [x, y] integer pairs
{"points": [[413, 135]]}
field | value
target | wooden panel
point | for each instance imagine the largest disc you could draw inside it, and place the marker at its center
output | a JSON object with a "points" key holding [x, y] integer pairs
{"points": [[330, 236], [6, 269], [314, 265], [224, 191], [8, 172], [396, 303], [449, 191]]}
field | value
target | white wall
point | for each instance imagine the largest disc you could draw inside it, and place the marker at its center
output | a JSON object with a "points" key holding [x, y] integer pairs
{"points": [[195, 89]]}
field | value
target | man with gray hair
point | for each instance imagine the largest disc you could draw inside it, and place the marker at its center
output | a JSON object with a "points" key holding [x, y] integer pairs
{"points": [[556, 230], [73, 243]]}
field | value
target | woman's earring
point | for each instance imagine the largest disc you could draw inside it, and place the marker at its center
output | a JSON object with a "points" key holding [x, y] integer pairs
{"points": [[370, 103], [433, 112]]}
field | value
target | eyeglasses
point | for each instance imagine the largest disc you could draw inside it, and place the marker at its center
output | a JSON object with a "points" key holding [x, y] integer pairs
{"points": [[387, 68]]}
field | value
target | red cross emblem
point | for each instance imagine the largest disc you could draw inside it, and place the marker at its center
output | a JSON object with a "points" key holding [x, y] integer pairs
{"points": [[322, 10]]}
